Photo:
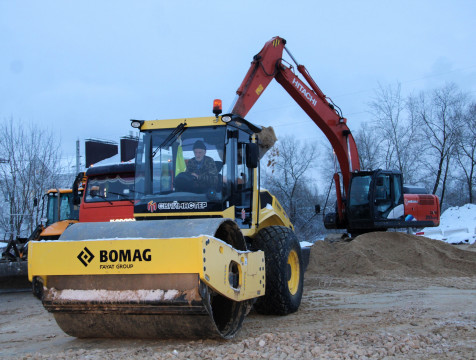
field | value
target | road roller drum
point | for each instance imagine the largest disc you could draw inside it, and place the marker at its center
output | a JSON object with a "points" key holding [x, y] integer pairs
{"points": [[100, 281]]}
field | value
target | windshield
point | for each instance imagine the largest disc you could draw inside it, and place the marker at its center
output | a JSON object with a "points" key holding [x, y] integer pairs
{"points": [[107, 188], [359, 193], [359, 205], [181, 164], [67, 210], [52, 212]]}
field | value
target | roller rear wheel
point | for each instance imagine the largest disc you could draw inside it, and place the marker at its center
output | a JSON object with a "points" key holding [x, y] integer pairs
{"points": [[284, 271]]}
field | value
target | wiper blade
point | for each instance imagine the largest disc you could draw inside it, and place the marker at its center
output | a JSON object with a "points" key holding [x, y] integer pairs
{"points": [[102, 197], [123, 196], [171, 138]]}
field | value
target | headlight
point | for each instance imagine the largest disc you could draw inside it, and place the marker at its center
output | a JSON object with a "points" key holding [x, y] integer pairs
{"points": [[136, 123], [226, 118]]}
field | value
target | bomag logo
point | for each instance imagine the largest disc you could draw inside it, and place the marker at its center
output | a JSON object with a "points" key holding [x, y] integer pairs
{"points": [[85, 256], [124, 258], [124, 255]]}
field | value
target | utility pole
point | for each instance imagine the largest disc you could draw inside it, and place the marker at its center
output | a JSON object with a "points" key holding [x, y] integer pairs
{"points": [[77, 156]]}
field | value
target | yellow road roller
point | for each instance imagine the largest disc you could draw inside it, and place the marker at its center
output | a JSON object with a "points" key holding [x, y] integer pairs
{"points": [[206, 246]]}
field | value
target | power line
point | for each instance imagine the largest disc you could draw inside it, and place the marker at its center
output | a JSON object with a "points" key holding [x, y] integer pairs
{"points": [[370, 90], [410, 81]]}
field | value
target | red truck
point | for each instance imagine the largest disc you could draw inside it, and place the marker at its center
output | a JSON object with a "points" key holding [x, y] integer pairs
{"points": [[108, 194]]}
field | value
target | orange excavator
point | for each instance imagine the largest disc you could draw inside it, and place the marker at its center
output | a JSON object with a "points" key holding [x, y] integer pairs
{"points": [[370, 200]]}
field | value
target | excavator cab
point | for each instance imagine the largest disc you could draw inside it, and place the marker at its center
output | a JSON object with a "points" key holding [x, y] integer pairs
{"points": [[374, 197], [376, 201]]}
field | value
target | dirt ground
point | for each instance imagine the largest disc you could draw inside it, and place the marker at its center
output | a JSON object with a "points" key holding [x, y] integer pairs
{"points": [[385, 295]]}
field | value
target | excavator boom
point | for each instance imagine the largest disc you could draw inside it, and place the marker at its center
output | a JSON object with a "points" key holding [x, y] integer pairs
{"points": [[267, 65]]}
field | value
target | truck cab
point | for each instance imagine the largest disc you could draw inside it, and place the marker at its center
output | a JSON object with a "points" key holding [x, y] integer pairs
{"points": [[108, 194]]}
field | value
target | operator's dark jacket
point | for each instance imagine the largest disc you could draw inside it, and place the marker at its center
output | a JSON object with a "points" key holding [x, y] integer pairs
{"points": [[206, 171]]}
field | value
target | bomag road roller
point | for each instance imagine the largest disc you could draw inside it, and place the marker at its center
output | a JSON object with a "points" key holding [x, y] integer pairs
{"points": [[206, 245]]}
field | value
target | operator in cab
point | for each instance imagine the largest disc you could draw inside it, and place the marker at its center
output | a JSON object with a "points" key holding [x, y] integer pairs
{"points": [[201, 174]]}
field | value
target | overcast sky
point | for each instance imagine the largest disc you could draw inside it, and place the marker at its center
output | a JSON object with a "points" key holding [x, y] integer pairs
{"points": [[84, 68]]}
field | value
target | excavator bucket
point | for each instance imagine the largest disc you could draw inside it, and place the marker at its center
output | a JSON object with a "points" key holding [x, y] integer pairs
{"points": [[148, 279]]}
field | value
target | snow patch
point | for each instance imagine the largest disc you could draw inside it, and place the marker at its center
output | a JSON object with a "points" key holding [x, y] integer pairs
{"points": [[457, 225], [171, 294], [111, 296]]}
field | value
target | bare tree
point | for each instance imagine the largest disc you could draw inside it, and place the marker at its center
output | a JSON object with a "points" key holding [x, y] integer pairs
{"points": [[466, 150], [369, 143], [440, 116], [30, 164], [393, 134], [289, 179]]}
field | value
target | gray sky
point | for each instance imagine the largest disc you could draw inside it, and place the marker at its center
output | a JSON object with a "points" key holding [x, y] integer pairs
{"points": [[83, 69]]}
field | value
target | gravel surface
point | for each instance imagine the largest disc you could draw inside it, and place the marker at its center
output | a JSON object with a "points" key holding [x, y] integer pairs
{"points": [[392, 312]]}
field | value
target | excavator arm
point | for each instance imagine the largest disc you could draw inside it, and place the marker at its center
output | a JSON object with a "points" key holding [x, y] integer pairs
{"points": [[267, 65]]}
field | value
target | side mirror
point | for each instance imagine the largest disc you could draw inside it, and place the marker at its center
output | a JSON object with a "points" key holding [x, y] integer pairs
{"points": [[317, 209], [252, 152], [76, 195]]}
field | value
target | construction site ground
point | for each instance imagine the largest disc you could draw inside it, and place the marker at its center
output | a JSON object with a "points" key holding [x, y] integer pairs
{"points": [[383, 295]]}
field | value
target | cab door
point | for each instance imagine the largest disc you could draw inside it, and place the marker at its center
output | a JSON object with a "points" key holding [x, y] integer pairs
{"points": [[388, 195], [239, 177]]}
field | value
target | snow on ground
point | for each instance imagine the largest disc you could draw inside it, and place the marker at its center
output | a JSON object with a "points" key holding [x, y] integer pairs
{"points": [[457, 225]]}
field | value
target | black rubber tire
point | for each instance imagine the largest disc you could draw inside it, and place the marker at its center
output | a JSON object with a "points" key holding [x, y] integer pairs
{"points": [[277, 242], [37, 288]]}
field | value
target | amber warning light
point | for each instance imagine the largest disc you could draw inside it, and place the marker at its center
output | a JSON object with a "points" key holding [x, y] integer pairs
{"points": [[217, 109]]}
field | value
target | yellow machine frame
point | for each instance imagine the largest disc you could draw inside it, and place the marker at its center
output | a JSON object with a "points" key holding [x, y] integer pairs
{"points": [[154, 256]]}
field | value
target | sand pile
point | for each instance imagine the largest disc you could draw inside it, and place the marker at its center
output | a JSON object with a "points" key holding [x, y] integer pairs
{"points": [[391, 253]]}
